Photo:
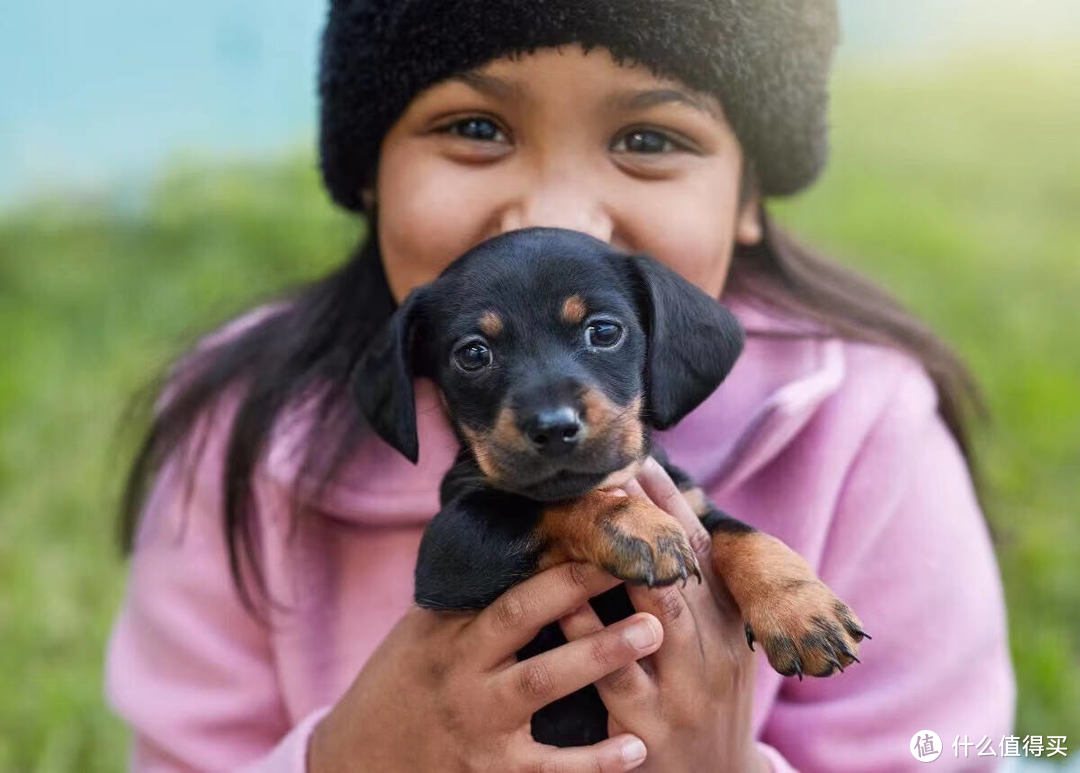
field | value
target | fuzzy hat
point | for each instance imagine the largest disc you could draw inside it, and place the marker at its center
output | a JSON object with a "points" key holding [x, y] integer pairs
{"points": [[766, 61]]}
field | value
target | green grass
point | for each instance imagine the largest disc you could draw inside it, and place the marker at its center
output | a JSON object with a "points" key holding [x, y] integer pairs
{"points": [[955, 187], [91, 303]]}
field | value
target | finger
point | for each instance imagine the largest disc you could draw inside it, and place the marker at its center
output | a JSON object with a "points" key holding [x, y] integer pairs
{"points": [[515, 617], [580, 622], [633, 679], [682, 637], [663, 491], [619, 753], [526, 687], [696, 637], [634, 489], [657, 486]]}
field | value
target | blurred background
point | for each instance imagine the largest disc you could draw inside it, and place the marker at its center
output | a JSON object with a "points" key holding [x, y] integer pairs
{"points": [[157, 176]]}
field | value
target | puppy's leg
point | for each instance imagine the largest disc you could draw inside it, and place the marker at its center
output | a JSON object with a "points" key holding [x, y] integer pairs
{"points": [[631, 538], [801, 624], [479, 544]]}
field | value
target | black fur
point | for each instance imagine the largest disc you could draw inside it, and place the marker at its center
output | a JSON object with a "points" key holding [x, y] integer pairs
{"points": [[677, 346], [382, 389], [693, 342], [680, 342]]}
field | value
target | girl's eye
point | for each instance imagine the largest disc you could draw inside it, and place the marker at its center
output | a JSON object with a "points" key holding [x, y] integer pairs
{"points": [[476, 128], [603, 334], [646, 141], [472, 356]]}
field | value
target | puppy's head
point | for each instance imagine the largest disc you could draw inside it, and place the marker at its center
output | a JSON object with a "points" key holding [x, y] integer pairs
{"points": [[553, 353]]}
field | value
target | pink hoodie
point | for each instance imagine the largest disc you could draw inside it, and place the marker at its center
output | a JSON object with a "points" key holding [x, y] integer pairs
{"points": [[834, 447]]}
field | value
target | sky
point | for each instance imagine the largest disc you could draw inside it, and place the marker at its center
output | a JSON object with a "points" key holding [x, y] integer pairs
{"points": [[95, 93]]}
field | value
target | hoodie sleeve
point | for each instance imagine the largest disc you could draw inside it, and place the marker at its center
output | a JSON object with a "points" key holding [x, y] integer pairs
{"points": [[909, 550], [188, 668]]}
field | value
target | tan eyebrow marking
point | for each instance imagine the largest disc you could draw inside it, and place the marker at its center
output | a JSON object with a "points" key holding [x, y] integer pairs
{"points": [[490, 323], [573, 310]]}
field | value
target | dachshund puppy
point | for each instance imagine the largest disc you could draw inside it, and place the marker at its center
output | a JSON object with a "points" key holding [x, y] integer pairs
{"points": [[555, 356]]}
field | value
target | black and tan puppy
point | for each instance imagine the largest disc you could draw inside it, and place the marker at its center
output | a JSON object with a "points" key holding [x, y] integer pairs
{"points": [[556, 355]]}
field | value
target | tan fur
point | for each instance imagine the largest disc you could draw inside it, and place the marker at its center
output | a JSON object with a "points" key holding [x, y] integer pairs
{"points": [[604, 422], [695, 497], [481, 450], [779, 596], [573, 310], [484, 445], [506, 433], [490, 323], [621, 425], [607, 529]]}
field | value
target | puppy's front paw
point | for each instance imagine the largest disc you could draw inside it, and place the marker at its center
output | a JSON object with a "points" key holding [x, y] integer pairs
{"points": [[817, 635], [646, 545], [804, 628]]}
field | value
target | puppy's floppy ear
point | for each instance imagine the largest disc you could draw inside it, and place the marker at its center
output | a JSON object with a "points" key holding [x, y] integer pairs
{"points": [[692, 341], [382, 382]]}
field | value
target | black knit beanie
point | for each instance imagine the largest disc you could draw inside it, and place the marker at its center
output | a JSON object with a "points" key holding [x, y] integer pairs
{"points": [[766, 61]]}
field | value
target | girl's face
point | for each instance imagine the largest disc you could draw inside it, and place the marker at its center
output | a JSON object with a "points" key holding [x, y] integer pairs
{"points": [[566, 139]]}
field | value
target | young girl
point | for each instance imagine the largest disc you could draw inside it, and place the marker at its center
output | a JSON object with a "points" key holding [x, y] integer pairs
{"points": [[269, 621]]}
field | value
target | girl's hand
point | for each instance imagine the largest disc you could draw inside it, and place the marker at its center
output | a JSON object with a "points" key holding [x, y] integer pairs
{"points": [[690, 702], [444, 691]]}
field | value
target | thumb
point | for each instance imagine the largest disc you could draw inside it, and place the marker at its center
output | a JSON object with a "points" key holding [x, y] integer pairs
{"points": [[659, 487]]}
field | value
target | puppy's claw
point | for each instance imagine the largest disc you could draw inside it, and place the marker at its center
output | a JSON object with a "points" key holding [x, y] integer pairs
{"points": [[749, 636], [846, 651], [695, 569], [645, 546]]}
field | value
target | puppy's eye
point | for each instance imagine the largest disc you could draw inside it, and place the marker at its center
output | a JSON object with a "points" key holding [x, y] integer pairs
{"points": [[472, 356], [603, 334]]}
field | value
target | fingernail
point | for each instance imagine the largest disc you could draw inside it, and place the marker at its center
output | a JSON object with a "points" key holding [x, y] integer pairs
{"points": [[633, 751], [641, 635]]}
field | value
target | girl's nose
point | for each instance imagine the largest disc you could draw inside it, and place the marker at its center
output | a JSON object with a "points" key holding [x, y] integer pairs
{"points": [[558, 203]]}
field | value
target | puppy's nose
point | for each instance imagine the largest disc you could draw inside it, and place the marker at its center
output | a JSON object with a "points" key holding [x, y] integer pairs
{"points": [[554, 431]]}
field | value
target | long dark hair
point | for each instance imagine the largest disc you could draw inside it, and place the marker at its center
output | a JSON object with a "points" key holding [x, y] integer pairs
{"points": [[782, 273], [307, 348]]}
